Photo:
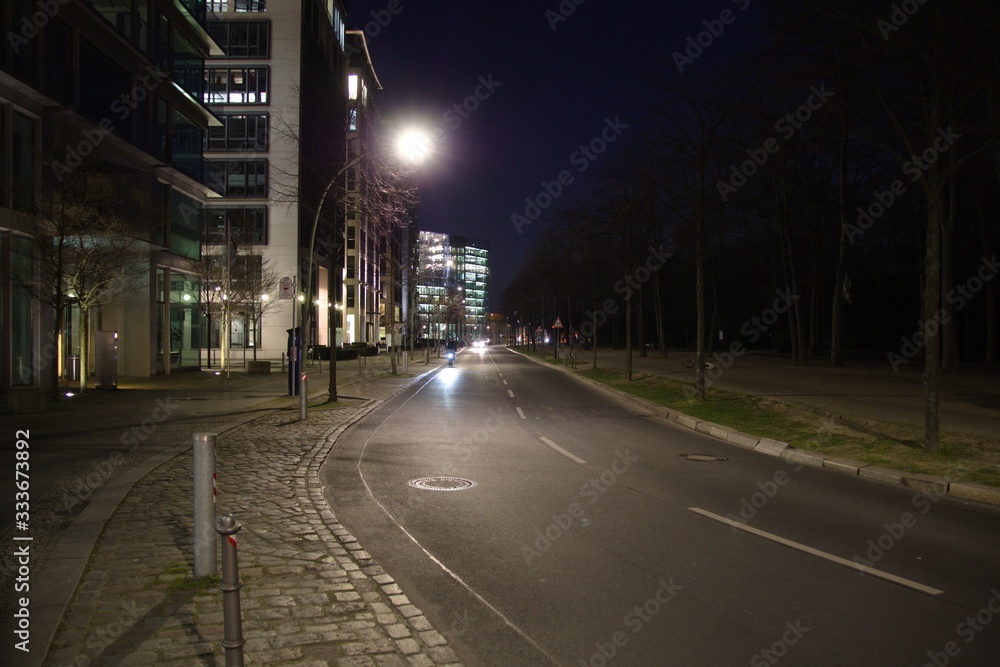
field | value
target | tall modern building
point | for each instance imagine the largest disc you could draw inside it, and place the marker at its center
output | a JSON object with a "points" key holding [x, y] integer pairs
{"points": [[112, 92], [280, 90], [453, 286], [234, 132]]}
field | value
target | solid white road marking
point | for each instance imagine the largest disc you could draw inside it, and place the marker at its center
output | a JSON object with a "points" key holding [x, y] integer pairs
{"points": [[520, 413], [569, 455], [863, 569]]}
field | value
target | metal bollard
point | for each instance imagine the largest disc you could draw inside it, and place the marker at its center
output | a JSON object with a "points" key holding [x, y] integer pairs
{"points": [[232, 639], [303, 396], [204, 505]]}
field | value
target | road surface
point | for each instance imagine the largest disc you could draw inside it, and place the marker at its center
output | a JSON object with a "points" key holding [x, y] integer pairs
{"points": [[590, 536]]}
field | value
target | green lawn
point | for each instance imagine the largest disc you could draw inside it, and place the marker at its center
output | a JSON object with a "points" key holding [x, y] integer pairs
{"points": [[961, 458]]}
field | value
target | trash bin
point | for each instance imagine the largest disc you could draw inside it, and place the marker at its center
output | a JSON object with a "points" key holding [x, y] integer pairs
{"points": [[73, 368]]}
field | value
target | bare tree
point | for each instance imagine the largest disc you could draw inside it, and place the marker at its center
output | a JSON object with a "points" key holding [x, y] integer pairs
{"points": [[87, 253]]}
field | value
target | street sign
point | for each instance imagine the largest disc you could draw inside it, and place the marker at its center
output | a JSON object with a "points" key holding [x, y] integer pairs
{"points": [[558, 324], [285, 288]]}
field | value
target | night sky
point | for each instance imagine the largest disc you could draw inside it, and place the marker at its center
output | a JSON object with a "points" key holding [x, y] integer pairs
{"points": [[549, 92]]}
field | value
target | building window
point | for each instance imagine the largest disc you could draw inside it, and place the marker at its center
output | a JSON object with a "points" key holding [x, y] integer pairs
{"points": [[217, 5], [236, 85], [352, 86], [23, 154], [185, 226], [242, 39], [352, 232], [246, 224], [351, 299], [238, 178], [239, 132], [251, 5], [352, 119], [186, 143]]}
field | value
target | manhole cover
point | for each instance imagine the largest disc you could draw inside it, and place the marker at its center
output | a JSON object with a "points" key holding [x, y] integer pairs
{"points": [[442, 483], [704, 458]]}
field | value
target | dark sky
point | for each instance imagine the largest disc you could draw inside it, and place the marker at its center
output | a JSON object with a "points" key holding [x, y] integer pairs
{"points": [[552, 92]]}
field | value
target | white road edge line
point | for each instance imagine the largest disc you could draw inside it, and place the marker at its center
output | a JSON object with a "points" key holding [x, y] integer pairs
{"points": [[520, 412], [510, 393], [909, 583], [570, 455]]}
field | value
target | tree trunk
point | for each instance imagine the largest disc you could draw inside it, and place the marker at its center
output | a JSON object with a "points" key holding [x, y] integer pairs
{"points": [[931, 302], [991, 293], [836, 310], [593, 302], [84, 324], [641, 321], [658, 313], [949, 325], [628, 338]]}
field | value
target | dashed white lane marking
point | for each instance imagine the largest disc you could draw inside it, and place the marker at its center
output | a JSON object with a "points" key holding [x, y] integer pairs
{"points": [[863, 569], [570, 455], [510, 393], [520, 413]]}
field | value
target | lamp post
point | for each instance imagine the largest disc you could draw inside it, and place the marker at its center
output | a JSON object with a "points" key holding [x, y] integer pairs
{"points": [[413, 146]]}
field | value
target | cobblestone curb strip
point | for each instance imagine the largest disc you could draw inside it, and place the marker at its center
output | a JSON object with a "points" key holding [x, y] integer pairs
{"points": [[311, 594], [958, 490]]}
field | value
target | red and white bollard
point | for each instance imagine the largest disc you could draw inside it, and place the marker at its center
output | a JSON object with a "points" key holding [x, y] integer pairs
{"points": [[232, 639]]}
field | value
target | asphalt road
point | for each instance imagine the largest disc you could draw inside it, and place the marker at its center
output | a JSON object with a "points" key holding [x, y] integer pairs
{"points": [[588, 539]]}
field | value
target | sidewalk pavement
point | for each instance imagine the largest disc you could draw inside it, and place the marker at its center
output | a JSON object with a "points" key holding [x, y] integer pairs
{"points": [[121, 575]]}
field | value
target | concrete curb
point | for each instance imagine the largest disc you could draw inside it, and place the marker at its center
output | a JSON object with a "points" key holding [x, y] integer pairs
{"points": [[941, 486]]}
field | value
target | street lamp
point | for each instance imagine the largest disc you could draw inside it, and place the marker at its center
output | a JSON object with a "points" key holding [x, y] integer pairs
{"points": [[411, 146]]}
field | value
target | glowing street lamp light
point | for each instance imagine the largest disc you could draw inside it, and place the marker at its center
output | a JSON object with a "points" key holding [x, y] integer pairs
{"points": [[414, 145]]}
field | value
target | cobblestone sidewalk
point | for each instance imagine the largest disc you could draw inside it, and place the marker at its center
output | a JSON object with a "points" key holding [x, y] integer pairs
{"points": [[311, 594]]}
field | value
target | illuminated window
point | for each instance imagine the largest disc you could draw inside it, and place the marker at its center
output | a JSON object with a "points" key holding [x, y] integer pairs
{"points": [[352, 86]]}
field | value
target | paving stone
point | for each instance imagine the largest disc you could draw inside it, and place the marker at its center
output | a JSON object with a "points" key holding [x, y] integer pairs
{"points": [[312, 594]]}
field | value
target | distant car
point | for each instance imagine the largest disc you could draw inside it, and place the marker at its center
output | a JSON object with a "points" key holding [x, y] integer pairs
{"points": [[478, 343]]}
